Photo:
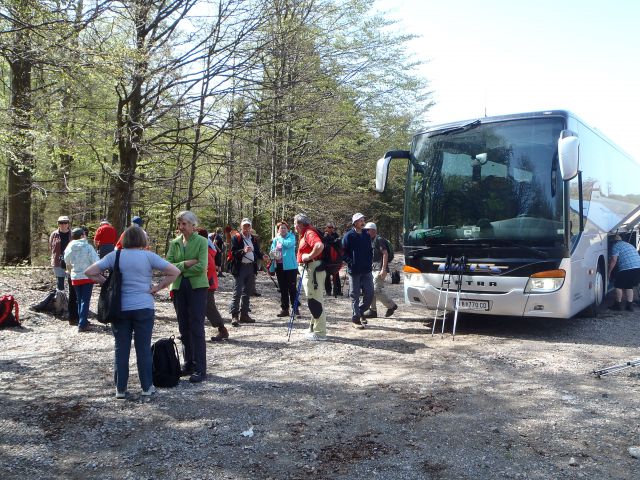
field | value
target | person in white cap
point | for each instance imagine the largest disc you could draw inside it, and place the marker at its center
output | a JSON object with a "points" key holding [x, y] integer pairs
{"points": [[358, 256], [245, 250], [380, 247]]}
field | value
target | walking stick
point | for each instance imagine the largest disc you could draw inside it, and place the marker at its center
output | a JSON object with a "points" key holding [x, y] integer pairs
{"points": [[266, 270], [296, 303]]}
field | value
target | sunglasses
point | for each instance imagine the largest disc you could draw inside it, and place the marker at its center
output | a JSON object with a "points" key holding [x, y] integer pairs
{"points": [[62, 223]]}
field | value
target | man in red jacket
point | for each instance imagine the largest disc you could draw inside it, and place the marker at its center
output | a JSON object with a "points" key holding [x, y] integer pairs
{"points": [[105, 238]]}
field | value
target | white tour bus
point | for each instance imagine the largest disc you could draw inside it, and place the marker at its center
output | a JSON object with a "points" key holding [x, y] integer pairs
{"points": [[521, 206]]}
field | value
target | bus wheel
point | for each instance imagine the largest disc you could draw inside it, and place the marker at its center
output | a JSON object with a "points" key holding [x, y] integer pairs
{"points": [[598, 290]]}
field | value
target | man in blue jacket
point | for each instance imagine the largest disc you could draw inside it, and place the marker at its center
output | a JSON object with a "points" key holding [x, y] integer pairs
{"points": [[359, 258]]}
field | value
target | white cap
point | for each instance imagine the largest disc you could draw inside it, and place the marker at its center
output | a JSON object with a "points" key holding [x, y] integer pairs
{"points": [[371, 226], [356, 217], [245, 221]]}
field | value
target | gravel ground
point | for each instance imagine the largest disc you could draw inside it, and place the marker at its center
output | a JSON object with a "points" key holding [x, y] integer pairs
{"points": [[509, 398]]}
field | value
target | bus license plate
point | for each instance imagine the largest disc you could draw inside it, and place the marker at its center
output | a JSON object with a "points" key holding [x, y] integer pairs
{"points": [[474, 305]]}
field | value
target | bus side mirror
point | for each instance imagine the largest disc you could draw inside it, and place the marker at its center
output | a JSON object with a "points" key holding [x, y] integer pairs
{"points": [[568, 154], [382, 167]]}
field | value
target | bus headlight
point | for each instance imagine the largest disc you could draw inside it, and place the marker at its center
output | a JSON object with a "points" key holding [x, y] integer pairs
{"points": [[545, 282]]}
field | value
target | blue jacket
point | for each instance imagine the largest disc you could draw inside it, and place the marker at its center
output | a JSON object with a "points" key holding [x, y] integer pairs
{"points": [[357, 251], [288, 252]]}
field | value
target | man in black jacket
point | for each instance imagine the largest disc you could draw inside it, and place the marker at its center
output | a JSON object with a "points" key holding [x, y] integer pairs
{"points": [[245, 249]]}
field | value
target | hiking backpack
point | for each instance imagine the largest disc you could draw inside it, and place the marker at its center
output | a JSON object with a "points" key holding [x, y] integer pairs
{"points": [[166, 363], [331, 254], [7, 318]]}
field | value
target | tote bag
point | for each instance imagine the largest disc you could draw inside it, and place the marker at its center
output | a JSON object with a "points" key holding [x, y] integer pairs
{"points": [[110, 299]]}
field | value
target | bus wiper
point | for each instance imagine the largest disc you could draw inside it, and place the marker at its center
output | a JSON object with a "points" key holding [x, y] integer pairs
{"points": [[457, 129]]}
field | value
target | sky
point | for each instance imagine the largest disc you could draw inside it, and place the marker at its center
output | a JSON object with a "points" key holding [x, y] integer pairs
{"points": [[511, 56]]}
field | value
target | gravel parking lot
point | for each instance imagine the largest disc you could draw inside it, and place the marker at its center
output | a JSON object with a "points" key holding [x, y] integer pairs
{"points": [[509, 398]]}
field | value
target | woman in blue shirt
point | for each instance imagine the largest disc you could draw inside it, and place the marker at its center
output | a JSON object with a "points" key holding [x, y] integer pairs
{"points": [[136, 265], [283, 262]]}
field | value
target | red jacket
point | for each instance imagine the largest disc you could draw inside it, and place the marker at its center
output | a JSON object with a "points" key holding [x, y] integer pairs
{"points": [[105, 235], [212, 275]]}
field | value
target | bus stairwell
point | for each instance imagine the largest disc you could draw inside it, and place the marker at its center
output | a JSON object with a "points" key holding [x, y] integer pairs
{"points": [[453, 271]]}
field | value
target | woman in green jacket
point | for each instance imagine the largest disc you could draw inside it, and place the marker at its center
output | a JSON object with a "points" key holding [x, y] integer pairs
{"points": [[188, 252]]}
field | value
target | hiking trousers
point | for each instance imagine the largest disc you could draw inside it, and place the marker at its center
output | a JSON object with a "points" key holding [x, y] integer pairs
{"points": [[315, 297], [379, 293]]}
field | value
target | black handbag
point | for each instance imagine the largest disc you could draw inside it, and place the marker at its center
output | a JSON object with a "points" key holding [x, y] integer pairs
{"points": [[110, 299]]}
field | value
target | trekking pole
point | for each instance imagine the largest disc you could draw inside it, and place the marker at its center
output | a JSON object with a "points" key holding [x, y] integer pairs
{"points": [[461, 267], [296, 303], [616, 368], [443, 282], [272, 280]]}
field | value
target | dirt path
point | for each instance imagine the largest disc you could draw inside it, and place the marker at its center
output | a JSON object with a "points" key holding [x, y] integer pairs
{"points": [[508, 399]]}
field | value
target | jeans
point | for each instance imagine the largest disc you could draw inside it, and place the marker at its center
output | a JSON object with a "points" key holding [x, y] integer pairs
{"points": [[139, 324], [105, 249], [357, 282], [213, 315], [287, 285], [245, 284], [191, 307], [83, 292]]}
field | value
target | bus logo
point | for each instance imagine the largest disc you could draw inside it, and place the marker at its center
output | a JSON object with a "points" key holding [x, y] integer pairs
{"points": [[473, 267]]}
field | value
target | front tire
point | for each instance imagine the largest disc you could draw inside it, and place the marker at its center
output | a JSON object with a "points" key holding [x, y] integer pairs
{"points": [[598, 290]]}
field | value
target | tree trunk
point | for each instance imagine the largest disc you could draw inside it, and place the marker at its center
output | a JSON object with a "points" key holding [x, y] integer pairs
{"points": [[20, 162]]}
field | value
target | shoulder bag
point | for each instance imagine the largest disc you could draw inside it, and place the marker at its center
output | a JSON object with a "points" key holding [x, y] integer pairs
{"points": [[110, 299]]}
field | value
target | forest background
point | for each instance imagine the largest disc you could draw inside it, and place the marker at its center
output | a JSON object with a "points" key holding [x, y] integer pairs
{"points": [[228, 108]]}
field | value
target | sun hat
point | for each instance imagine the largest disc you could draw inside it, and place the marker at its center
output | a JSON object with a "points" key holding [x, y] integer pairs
{"points": [[63, 218], [370, 226], [356, 217]]}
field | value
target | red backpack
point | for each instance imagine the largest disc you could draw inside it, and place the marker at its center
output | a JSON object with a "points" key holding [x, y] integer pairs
{"points": [[7, 318]]}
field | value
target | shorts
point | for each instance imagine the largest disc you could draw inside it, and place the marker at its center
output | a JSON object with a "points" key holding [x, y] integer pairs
{"points": [[627, 279]]}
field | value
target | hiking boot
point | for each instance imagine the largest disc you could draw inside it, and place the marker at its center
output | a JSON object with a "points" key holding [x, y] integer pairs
{"points": [[121, 395], [234, 321], [256, 294], [83, 328], [223, 334], [370, 314], [197, 377], [245, 318], [149, 391], [616, 307], [358, 324], [296, 312], [363, 320], [186, 370], [629, 307], [283, 313], [390, 311]]}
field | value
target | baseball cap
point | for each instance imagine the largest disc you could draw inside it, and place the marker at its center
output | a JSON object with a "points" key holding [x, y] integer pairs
{"points": [[356, 217], [63, 218], [245, 221], [77, 232], [137, 220], [104, 221], [371, 226]]}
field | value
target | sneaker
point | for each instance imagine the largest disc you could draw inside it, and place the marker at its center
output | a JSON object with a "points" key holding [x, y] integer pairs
{"points": [[370, 314], [629, 307], [121, 395], [357, 324], [186, 370], [197, 377], [363, 320], [235, 322], [283, 313], [314, 337], [390, 311], [149, 391]]}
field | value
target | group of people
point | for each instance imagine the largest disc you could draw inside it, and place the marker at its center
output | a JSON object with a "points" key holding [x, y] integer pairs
{"points": [[191, 269]]}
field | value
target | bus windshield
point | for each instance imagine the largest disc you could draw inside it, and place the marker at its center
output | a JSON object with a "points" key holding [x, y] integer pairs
{"points": [[495, 183]]}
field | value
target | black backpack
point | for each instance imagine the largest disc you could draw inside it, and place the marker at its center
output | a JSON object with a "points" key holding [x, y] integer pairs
{"points": [[166, 363]]}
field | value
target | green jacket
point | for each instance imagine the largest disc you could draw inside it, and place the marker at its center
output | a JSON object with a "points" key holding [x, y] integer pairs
{"points": [[196, 248]]}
